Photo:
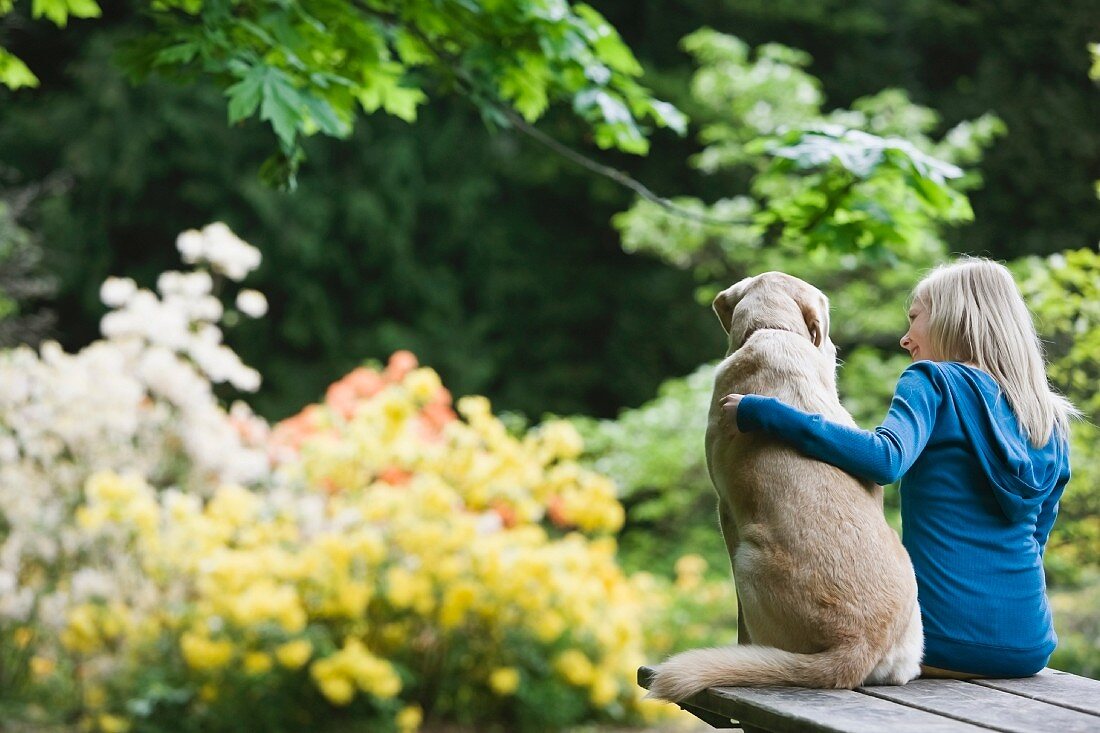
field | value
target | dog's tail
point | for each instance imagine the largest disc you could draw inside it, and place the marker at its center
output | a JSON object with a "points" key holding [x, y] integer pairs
{"points": [[691, 672]]}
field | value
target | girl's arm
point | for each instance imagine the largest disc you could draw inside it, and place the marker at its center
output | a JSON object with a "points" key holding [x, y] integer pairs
{"points": [[881, 455]]}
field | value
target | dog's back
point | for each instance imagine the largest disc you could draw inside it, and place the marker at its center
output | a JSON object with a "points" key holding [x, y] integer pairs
{"points": [[815, 529]]}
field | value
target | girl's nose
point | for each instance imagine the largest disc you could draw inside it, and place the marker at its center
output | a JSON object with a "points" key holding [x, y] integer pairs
{"points": [[905, 341]]}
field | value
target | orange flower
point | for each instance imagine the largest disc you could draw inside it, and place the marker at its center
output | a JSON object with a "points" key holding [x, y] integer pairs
{"points": [[433, 418], [555, 509], [341, 397], [506, 513], [295, 430], [395, 476], [401, 363], [365, 382]]}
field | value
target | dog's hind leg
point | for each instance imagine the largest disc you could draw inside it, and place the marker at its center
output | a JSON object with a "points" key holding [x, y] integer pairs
{"points": [[902, 662], [729, 534]]}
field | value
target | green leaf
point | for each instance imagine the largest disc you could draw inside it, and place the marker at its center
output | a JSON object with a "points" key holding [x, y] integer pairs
{"points": [[245, 95], [617, 55], [59, 11], [401, 102], [84, 8], [933, 193], [280, 106], [382, 90], [14, 73], [526, 90], [411, 50], [181, 53], [257, 31], [280, 171], [668, 116], [325, 117]]}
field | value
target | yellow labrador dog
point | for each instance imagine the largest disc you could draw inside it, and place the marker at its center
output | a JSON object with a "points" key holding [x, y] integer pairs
{"points": [[826, 592]]}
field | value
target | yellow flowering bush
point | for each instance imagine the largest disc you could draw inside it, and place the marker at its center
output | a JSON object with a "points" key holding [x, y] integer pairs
{"points": [[491, 555], [406, 560]]}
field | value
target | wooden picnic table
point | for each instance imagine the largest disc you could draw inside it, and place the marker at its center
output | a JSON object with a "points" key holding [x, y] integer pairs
{"points": [[1050, 701]]}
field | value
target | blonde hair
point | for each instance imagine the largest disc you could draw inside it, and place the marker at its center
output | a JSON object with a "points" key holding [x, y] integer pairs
{"points": [[976, 315]]}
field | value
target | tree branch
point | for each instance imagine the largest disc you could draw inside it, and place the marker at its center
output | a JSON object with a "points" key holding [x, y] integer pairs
{"points": [[473, 89]]}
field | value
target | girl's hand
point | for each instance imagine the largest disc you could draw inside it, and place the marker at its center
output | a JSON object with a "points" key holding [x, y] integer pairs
{"points": [[729, 407]]}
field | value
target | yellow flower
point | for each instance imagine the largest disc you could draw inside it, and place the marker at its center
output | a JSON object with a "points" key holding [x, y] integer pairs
{"points": [[423, 384], [108, 486], [354, 663], [561, 440], [293, 654], [234, 505], [394, 634], [42, 667], [409, 719], [208, 692], [95, 697], [456, 602], [265, 600], [473, 407], [604, 690], [112, 724], [574, 667], [352, 599], [257, 663], [504, 680], [23, 636], [202, 653], [652, 710], [549, 626], [689, 571], [395, 409], [406, 590], [338, 690], [373, 675], [82, 633]]}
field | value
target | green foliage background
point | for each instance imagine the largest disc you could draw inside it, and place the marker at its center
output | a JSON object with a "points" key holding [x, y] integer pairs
{"points": [[497, 262], [463, 246]]}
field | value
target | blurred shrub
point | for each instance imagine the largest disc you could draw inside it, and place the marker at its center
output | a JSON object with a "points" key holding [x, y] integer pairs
{"points": [[1078, 626], [378, 558], [1063, 291], [689, 609], [23, 284], [655, 455], [139, 402]]}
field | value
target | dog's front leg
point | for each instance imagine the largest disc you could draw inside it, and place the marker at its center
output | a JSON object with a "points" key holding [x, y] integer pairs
{"points": [[729, 533]]}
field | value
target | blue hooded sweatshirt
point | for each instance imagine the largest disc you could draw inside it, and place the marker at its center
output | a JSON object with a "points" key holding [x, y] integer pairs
{"points": [[977, 505]]}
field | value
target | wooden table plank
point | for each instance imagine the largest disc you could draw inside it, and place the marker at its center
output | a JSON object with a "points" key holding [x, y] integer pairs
{"points": [[800, 710], [1055, 687], [982, 705]]}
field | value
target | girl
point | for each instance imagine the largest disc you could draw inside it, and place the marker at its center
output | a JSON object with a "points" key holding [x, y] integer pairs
{"points": [[980, 439]]}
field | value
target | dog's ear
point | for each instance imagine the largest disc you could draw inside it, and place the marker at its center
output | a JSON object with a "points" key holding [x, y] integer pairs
{"points": [[815, 311], [726, 301]]}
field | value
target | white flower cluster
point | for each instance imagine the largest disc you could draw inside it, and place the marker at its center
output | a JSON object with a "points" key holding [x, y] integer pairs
{"points": [[223, 250], [139, 401], [181, 321]]}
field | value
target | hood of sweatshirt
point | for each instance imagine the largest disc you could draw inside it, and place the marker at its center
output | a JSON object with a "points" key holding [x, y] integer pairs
{"points": [[1021, 475]]}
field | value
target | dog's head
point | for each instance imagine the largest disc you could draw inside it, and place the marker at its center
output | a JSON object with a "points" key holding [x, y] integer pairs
{"points": [[774, 300]]}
